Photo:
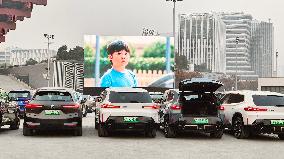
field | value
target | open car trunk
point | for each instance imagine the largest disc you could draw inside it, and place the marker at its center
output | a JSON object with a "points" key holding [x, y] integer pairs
{"points": [[199, 105]]}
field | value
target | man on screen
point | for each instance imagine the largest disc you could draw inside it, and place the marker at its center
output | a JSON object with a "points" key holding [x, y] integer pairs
{"points": [[118, 76]]}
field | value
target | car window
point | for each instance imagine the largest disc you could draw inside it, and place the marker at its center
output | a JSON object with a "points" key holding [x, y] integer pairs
{"points": [[13, 95], [268, 100], [130, 97], [233, 98], [52, 96]]}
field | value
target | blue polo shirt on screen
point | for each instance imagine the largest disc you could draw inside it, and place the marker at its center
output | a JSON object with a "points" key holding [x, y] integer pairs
{"points": [[113, 78]]}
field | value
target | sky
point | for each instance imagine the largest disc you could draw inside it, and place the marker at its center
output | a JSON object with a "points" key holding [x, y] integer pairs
{"points": [[70, 20]]}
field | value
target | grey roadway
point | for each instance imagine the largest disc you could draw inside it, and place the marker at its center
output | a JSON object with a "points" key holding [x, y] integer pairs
{"points": [[62, 145], [9, 83]]}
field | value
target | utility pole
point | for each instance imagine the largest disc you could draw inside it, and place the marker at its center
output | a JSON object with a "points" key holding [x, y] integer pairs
{"points": [[48, 55], [276, 63], [236, 76]]}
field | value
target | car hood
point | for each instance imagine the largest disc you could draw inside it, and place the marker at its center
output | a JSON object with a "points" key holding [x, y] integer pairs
{"points": [[199, 85]]}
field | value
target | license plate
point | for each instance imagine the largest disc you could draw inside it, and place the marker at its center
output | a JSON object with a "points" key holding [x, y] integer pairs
{"points": [[130, 119], [277, 122], [200, 121], [52, 112]]}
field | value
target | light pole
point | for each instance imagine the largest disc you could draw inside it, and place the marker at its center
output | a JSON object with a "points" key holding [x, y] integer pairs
{"points": [[48, 43], [236, 78], [276, 62], [174, 29]]}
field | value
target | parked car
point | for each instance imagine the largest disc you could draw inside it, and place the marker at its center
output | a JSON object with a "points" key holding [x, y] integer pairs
{"points": [[254, 112], [53, 108], [9, 114], [166, 81], [89, 103], [157, 97], [21, 97], [192, 108], [126, 109]]}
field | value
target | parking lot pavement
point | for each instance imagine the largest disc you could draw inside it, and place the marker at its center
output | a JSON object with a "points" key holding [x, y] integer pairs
{"points": [[63, 145]]}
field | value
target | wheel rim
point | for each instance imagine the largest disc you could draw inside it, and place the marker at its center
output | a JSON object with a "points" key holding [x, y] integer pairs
{"points": [[237, 128]]}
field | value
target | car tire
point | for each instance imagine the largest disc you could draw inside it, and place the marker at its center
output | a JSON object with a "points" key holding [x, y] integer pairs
{"points": [[239, 129], [169, 131], [102, 131], [96, 124], [78, 131], [151, 133], [27, 131], [15, 125], [281, 136], [218, 134]]}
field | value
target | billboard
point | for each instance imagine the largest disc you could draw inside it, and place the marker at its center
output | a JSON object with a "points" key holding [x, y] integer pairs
{"points": [[128, 61]]}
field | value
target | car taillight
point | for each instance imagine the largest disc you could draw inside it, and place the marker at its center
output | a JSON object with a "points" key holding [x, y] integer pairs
{"points": [[75, 106], [33, 106], [254, 109], [175, 107], [151, 107], [221, 107], [109, 106]]}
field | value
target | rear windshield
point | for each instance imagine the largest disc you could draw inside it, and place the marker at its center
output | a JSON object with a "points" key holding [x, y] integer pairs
{"points": [[15, 95], [130, 97], [268, 100], [53, 96]]}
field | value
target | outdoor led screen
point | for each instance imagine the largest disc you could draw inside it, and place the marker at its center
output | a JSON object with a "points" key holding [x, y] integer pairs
{"points": [[136, 61]]}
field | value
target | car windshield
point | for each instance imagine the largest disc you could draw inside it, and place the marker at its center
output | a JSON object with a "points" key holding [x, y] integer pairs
{"points": [[15, 95], [130, 97], [268, 100], [52, 96]]}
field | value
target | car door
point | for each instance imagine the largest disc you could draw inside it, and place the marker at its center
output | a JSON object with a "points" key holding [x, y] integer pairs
{"points": [[230, 103]]}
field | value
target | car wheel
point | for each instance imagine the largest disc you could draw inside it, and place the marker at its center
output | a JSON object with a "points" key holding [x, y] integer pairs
{"points": [[96, 124], [27, 131], [151, 133], [78, 131], [169, 130], [240, 131], [281, 136], [15, 125], [218, 134], [102, 131]]}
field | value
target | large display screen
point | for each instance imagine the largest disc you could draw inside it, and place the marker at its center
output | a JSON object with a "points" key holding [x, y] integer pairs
{"points": [[128, 61]]}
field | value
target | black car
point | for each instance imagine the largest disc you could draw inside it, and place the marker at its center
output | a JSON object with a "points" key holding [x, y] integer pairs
{"points": [[9, 114], [192, 108], [53, 108]]}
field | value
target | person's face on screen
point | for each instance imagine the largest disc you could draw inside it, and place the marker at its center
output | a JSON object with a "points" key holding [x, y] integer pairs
{"points": [[120, 59]]}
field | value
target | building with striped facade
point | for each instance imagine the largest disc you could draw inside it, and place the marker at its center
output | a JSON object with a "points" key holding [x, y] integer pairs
{"points": [[262, 48], [238, 54], [201, 39]]}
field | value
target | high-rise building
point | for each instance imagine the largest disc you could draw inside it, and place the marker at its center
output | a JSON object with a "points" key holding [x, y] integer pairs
{"points": [[201, 39], [238, 45], [262, 48]]}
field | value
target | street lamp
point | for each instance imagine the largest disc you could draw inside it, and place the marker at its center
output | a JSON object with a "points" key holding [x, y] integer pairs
{"points": [[174, 29], [48, 43], [236, 78], [276, 62]]}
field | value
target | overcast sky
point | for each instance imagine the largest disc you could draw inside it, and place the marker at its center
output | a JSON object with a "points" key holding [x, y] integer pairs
{"points": [[69, 20]]}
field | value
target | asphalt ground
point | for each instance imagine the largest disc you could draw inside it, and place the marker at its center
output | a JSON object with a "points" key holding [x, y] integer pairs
{"points": [[63, 145]]}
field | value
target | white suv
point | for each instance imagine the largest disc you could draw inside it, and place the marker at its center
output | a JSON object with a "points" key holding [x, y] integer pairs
{"points": [[253, 112], [126, 109]]}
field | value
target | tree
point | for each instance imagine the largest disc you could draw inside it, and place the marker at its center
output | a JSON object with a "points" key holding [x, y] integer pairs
{"points": [[157, 49], [31, 62], [76, 53]]}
